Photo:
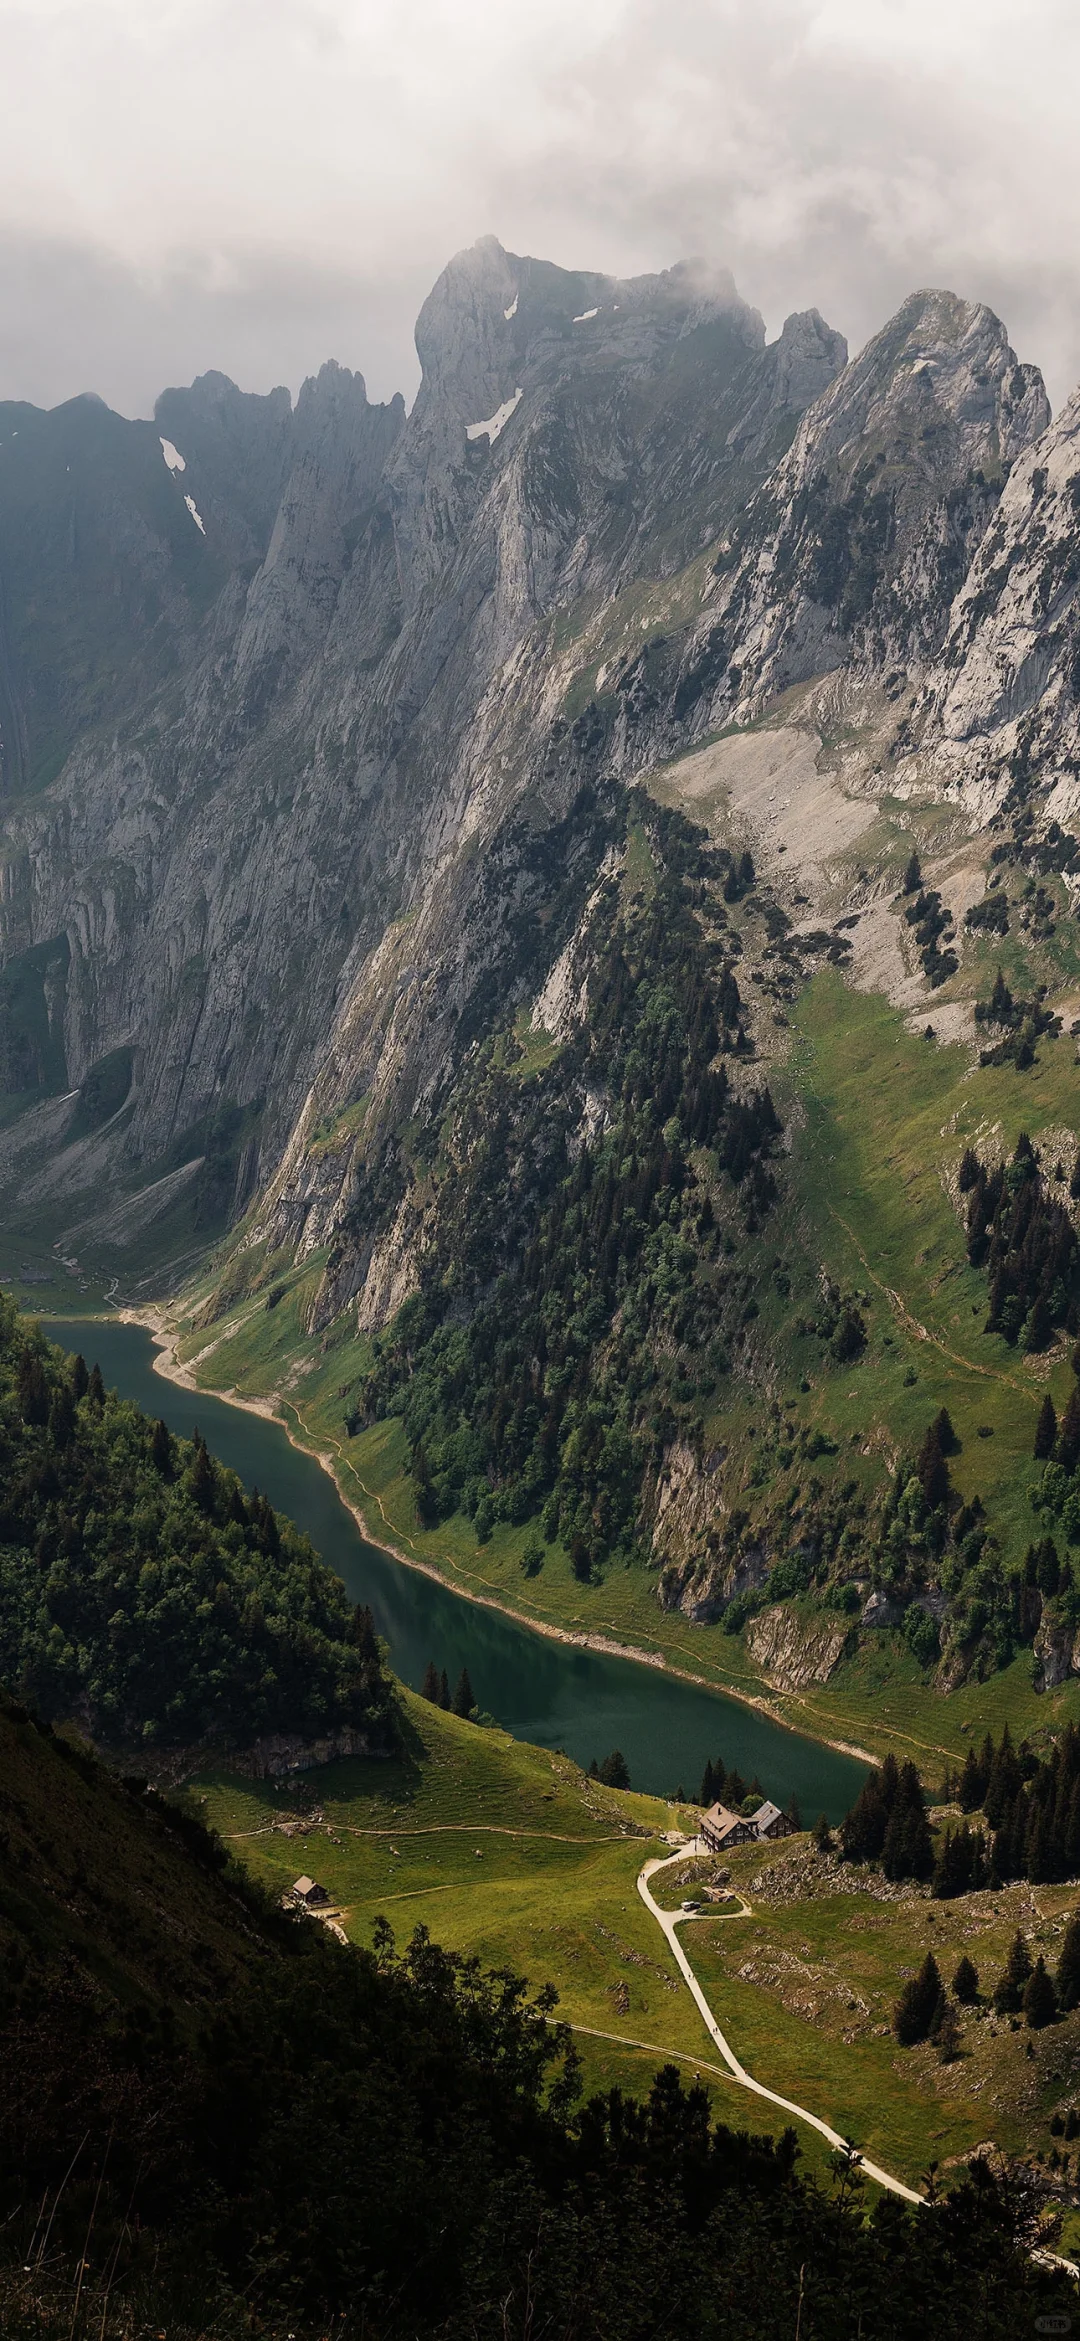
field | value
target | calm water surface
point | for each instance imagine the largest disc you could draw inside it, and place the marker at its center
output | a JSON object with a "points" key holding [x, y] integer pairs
{"points": [[544, 1691]]}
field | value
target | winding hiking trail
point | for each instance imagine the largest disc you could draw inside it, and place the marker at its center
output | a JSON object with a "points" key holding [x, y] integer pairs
{"points": [[668, 1921], [922, 1332]]}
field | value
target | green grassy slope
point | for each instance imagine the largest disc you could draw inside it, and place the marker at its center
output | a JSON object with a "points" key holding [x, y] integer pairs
{"points": [[808, 1983], [502, 1850]]}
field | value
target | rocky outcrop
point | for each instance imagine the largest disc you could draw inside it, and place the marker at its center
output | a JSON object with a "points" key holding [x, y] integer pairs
{"points": [[1001, 706], [281, 1753], [794, 1650], [1055, 1654], [855, 549]]}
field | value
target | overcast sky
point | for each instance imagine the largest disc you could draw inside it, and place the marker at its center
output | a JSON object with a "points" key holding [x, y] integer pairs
{"points": [[260, 184]]}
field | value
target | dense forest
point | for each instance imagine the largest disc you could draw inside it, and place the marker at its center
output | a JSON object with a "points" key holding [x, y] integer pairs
{"points": [[1027, 1805], [141, 1590], [213, 2119], [574, 1307]]}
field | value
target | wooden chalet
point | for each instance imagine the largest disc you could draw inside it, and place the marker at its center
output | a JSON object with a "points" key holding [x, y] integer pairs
{"points": [[309, 1894], [722, 1829]]}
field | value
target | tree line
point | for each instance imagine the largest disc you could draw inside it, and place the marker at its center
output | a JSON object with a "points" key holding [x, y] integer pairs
{"points": [[1029, 1806], [574, 1303], [141, 1588]]}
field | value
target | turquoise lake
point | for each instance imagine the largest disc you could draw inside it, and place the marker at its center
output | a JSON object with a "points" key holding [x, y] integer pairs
{"points": [[541, 1690]]}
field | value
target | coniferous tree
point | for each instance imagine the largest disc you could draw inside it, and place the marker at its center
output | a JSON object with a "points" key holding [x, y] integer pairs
{"points": [[1045, 1430], [464, 1701], [919, 2004], [203, 1480], [1005, 1779], [429, 1688], [932, 1469], [912, 879], [1040, 1998], [1012, 1982], [794, 1813], [708, 1788], [95, 1388], [1068, 1969], [80, 1379], [1068, 1443], [161, 1450], [965, 1982], [947, 2036], [907, 1850], [444, 1692], [615, 1771], [822, 1834], [734, 1790]]}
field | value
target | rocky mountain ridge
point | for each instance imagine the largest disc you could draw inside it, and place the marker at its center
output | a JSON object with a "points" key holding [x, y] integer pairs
{"points": [[436, 861]]}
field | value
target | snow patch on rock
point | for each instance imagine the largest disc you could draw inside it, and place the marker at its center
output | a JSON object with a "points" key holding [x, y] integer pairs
{"points": [[172, 456], [497, 422], [195, 514]]}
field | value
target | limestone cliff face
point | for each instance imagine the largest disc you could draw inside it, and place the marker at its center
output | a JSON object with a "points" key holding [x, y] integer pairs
{"points": [[795, 1651], [1001, 702], [293, 847], [854, 550], [306, 816]]}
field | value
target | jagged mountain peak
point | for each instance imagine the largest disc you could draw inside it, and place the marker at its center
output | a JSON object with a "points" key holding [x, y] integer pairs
{"points": [[493, 314], [857, 545]]}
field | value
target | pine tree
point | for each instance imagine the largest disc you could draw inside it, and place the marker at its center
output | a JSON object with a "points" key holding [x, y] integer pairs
{"points": [[822, 1834], [1047, 1567], [1040, 1998], [965, 1982], [734, 1790], [463, 1696], [1068, 1445], [1068, 1971], [794, 1813], [429, 1688], [1012, 1982], [80, 1379], [161, 1450], [203, 1480], [1005, 1780], [708, 1788], [932, 1469], [95, 1388], [947, 2038], [444, 1691], [1045, 1430], [919, 2004], [912, 879], [615, 1771]]}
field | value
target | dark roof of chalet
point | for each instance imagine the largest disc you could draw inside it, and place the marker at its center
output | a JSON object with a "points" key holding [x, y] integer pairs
{"points": [[721, 1820]]}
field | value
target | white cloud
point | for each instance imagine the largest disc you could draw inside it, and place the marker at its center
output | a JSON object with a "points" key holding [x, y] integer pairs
{"points": [[263, 183]]}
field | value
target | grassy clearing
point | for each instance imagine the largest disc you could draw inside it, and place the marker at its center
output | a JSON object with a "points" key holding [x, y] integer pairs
{"points": [[807, 1987], [499, 1849]]}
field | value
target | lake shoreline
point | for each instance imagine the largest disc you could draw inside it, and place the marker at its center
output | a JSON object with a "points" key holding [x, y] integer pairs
{"points": [[171, 1368]]}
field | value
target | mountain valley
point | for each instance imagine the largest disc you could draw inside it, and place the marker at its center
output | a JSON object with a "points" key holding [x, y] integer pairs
{"points": [[518, 918]]}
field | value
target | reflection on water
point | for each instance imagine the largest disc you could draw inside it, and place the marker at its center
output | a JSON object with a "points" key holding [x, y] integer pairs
{"points": [[541, 1690]]}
